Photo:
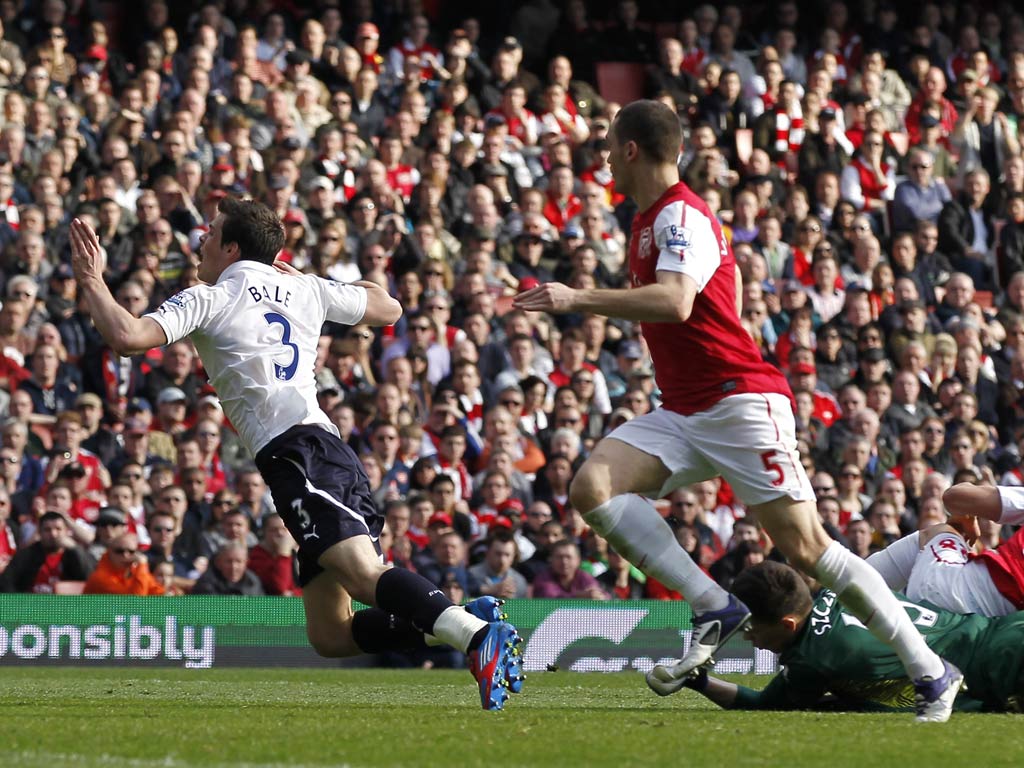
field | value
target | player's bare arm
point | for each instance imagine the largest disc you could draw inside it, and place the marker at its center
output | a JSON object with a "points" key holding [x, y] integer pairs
{"points": [[125, 333], [669, 300]]}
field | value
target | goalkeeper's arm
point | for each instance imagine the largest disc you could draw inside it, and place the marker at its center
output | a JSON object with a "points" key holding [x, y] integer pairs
{"points": [[732, 696]]}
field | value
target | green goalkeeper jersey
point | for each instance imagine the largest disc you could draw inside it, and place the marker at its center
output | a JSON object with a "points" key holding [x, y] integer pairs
{"points": [[835, 658]]}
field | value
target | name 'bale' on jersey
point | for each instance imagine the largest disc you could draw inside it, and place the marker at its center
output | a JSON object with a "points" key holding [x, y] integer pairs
{"points": [[256, 331]]}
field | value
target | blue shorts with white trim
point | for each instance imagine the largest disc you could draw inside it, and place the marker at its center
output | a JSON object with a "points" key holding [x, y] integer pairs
{"points": [[320, 490]]}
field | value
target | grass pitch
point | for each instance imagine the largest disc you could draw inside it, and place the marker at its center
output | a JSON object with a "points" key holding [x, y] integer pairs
{"points": [[173, 718]]}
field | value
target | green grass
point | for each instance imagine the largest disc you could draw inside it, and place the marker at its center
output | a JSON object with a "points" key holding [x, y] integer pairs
{"points": [[172, 718]]}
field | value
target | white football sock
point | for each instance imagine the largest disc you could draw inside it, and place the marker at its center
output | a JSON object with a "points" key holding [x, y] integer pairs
{"points": [[456, 627], [864, 594], [896, 561], [633, 526]]}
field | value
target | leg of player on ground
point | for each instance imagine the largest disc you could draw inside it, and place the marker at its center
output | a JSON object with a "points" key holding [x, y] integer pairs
{"points": [[418, 605], [407, 608], [606, 487]]}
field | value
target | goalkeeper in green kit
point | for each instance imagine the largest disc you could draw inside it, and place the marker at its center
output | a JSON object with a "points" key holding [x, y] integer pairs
{"points": [[830, 661]]}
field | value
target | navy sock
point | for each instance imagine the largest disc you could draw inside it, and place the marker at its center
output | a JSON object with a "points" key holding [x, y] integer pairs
{"points": [[411, 597], [377, 631]]}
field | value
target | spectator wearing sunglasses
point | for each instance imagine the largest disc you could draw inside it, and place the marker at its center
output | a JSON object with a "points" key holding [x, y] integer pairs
{"points": [[122, 571]]}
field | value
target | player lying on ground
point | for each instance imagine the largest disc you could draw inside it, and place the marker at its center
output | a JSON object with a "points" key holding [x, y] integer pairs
{"points": [[831, 661], [726, 412], [938, 565], [256, 328]]}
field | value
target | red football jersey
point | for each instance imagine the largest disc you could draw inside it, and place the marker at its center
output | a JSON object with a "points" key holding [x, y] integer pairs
{"points": [[1005, 565], [710, 356]]}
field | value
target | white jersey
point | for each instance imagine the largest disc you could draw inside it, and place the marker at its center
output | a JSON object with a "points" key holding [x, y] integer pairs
{"points": [[256, 331]]}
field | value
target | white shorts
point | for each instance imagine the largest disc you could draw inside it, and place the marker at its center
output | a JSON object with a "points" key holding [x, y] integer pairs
{"points": [[748, 439], [945, 576]]}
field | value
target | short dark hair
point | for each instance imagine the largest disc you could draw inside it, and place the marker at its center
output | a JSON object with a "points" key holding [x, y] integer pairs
{"points": [[772, 590], [653, 126], [255, 228]]}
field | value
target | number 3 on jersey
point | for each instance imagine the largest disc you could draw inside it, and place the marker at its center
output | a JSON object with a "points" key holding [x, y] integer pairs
{"points": [[284, 372]]}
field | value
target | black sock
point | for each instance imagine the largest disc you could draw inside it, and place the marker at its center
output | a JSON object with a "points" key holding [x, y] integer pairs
{"points": [[377, 631], [411, 597]]}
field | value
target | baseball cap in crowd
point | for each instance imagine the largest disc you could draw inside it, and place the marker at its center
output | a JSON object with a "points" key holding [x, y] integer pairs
{"points": [[297, 56], [929, 121], [439, 518], [366, 29], [196, 233], [222, 166], [968, 76], [171, 395], [211, 400], [293, 216], [828, 113], [86, 70], [135, 427], [803, 369], [642, 372], [491, 121], [572, 232], [321, 182], [137, 404], [96, 53], [111, 516], [88, 398], [631, 350], [792, 286], [291, 143], [527, 283], [63, 272], [873, 355]]}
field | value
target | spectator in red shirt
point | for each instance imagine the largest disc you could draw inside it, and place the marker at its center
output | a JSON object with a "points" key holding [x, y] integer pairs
{"points": [[273, 559], [561, 203], [39, 566]]}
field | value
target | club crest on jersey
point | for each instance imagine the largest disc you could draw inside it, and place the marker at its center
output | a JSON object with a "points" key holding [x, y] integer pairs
{"points": [[645, 242]]}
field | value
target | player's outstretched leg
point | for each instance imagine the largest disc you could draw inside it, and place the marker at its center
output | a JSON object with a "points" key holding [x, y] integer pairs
{"points": [[413, 600], [490, 609], [633, 526], [795, 529]]}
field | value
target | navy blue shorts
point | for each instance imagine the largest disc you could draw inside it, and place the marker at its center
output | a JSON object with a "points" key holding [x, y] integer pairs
{"points": [[321, 492]]}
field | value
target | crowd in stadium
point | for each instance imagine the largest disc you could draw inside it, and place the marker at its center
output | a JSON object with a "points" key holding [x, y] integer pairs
{"points": [[865, 162]]}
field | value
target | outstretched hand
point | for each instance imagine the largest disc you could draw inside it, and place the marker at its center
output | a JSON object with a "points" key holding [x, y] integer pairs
{"points": [[86, 253], [549, 297]]}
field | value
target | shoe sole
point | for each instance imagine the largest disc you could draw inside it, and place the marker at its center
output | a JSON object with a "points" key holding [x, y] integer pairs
{"points": [[666, 680]]}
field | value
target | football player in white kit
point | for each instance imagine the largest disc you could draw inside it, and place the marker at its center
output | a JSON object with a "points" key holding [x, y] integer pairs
{"points": [[256, 328]]}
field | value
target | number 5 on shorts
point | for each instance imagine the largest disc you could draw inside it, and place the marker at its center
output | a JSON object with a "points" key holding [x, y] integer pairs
{"points": [[771, 465]]}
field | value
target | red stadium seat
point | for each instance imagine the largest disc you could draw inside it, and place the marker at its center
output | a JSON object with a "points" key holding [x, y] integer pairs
{"points": [[620, 81], [983, 299]]}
